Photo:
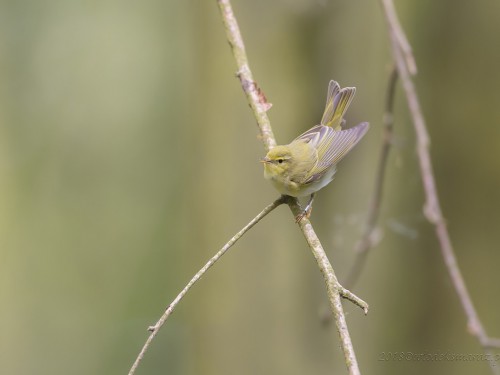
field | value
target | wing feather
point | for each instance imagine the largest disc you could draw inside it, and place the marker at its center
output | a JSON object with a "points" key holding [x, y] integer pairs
{"points": [[330, 141], [333, 145]]}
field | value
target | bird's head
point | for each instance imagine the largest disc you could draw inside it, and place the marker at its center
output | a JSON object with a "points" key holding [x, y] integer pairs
{"points": [[277, 162]]}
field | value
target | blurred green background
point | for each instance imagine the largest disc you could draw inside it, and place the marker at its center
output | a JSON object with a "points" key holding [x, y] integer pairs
{"points": [[128, 156]]}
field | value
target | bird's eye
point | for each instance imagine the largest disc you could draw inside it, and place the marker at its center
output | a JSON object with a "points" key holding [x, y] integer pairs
{"points": [[280, 161]]}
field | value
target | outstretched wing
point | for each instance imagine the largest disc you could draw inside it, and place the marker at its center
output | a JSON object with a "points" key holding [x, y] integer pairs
{"points": [[337, 102], [332, 145]]}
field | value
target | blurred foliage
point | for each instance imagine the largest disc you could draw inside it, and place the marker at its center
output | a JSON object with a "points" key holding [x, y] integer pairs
{"points": [[128, 156]]}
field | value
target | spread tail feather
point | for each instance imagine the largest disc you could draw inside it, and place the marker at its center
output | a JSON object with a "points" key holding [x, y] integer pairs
{"points": [[337, 102]]}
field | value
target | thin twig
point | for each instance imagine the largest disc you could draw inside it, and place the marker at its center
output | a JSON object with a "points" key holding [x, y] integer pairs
{"points": [[170, 309], [368, 238], [432, 208], [259, 106]]}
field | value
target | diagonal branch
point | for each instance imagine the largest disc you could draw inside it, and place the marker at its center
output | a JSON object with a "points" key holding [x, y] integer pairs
{"points": [[259, 106], [170, 309], [432, 208]]}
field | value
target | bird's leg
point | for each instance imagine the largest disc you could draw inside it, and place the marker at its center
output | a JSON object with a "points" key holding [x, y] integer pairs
{"points": [[307, 210]]}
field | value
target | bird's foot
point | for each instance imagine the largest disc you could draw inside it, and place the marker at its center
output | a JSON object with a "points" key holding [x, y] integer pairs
{"points": [[306, 213]]}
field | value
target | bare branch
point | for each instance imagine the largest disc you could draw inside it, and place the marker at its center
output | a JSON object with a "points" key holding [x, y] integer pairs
{"points": [[432, 208], [170, 309]]}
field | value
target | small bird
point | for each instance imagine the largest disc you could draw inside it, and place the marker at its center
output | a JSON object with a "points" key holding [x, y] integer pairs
{"points": [[309, 162]]}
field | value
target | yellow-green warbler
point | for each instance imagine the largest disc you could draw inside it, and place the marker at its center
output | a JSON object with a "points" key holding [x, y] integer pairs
{"points": [[308, 163]]}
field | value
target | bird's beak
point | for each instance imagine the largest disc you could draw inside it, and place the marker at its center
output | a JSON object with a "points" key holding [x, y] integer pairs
{"points": [[265, 160]]}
